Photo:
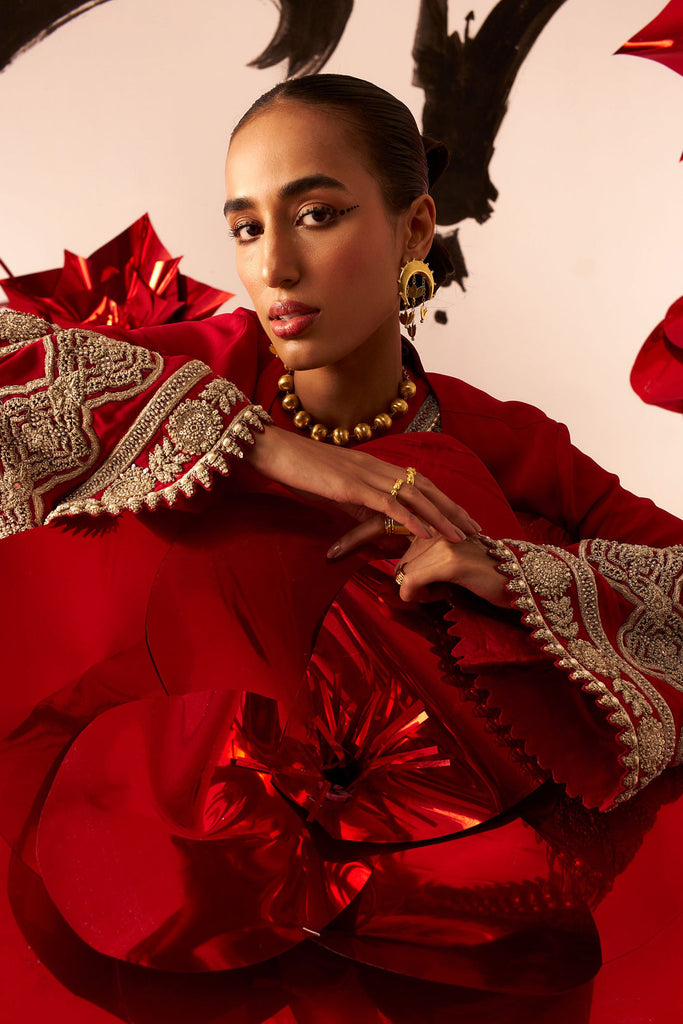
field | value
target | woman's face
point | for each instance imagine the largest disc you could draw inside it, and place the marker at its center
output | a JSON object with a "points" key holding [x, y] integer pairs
{"points": [[317, 249]]}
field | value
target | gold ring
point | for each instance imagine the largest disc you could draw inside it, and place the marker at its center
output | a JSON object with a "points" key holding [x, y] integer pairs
{"points": [[397, 486], [399, 578], [392, 527], [411, 473]]}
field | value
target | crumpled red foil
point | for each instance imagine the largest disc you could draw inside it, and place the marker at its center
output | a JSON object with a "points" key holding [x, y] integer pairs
{"points": [[657, 374], [130, 281]]}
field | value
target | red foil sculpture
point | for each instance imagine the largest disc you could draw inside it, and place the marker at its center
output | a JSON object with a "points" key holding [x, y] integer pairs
{"points": [[657, 374], [131, 281], [661, 39]]}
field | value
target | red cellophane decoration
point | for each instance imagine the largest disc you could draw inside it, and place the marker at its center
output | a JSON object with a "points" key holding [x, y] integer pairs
{"points": [[657, 374], [129, 282], [661, 39]]}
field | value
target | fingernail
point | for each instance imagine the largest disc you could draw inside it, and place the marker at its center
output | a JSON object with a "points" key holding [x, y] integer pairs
{"points": [[460, 533], [476, 525], [335, 551]]}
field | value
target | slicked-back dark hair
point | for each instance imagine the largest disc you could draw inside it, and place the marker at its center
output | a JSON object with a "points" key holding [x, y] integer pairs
{"points": [[405, 163]]}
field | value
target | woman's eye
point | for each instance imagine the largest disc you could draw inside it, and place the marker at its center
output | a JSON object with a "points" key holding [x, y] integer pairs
{"points": [[246, 231], [316, 216]]}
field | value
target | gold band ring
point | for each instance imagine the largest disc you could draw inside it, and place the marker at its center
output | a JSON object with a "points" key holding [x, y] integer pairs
{"points": [[391, 527], [399, 574], [411, 473]]}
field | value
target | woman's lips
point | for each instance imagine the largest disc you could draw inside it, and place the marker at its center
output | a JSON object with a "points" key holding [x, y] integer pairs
{"points": [[290, 319]]}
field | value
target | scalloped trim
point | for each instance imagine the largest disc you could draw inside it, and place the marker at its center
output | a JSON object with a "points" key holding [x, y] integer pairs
{"points": [[137, 492], [616, 713], [480, 697]]}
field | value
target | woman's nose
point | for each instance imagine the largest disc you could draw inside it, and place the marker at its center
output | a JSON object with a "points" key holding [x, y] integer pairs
{"points": [[280, 262]]}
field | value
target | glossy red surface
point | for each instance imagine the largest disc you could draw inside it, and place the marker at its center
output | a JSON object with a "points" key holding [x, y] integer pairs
{"points": [[128, 282], [657, 374], [661, 39]]}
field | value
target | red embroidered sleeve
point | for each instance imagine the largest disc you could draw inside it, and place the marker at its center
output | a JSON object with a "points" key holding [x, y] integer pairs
{"points": [[609, 614], [92, 424]]}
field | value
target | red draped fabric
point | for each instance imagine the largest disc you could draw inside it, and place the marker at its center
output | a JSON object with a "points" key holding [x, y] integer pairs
{"points": [[241, 783]]}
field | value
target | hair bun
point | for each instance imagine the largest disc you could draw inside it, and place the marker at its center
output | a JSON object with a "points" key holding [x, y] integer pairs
{"points": [[437, 159]]}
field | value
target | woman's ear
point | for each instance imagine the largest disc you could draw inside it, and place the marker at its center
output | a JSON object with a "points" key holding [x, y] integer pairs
{"points": [[419, 231]]}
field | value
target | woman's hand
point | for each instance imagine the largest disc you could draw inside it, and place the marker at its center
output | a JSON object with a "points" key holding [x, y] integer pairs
{"points": [[360, 484], [429, 563]]}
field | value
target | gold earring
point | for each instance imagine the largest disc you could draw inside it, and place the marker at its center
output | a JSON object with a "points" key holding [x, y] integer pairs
{"points": [[415, 288]]}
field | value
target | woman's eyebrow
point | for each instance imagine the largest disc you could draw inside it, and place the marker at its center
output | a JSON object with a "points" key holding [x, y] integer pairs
{"points": [[288, 191]]}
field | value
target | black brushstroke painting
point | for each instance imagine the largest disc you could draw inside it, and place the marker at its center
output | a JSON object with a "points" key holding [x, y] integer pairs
{"points": [[27, 22], [307, 35], [466, 81]]}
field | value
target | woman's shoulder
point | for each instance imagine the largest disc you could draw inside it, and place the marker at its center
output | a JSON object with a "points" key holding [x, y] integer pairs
{"points": [[208, 339], [460, 401]]}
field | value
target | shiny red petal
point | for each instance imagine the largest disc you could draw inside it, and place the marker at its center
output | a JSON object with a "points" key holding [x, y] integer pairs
{"points": [[200, 300], [163, 843], [657, 374], [128, 282], [661, 39], [366, 754], [483, 911]]}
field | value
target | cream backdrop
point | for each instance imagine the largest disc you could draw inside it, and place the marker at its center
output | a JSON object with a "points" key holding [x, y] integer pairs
{"points": [[128, 109]]}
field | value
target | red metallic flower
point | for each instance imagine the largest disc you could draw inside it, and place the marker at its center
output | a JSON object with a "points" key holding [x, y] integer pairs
{"points": [[186, 856], [131, 281], [164, 843]]}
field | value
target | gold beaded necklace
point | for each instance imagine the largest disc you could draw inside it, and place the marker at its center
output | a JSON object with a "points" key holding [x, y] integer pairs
{"points": [[340, 435]]}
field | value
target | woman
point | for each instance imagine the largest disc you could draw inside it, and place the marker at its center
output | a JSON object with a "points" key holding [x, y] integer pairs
{"points": [[239, 698]]}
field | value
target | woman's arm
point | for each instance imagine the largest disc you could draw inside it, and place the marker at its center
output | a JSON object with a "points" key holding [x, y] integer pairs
{"points": [[91, 424]]}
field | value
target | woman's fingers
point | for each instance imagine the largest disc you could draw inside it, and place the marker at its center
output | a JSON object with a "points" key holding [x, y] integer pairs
{"points": [[435, 510], [417, 512], [467, 564], [373, 530], [412, 503]]}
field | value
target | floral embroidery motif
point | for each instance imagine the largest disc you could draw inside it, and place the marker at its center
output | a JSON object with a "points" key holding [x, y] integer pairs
{"points": [[157, 410], [195, 427], [560, 600], [137, 488], [46, 435], [129, 489], [651, 579]]}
